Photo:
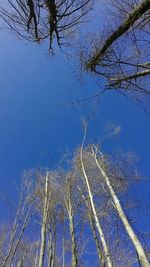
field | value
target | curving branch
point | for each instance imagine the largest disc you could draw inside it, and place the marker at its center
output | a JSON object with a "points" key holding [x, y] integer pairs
{"points": [[118, 81], [124, 27]]}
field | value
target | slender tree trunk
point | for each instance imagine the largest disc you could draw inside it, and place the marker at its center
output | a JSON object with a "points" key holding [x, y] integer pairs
{"points": [[72, 233], [133, 237], [44, 223], [19, 263], [14, 230], [99, 251], [51, 256], [55, 237], [25, 223], [52, 245], [98, 225], [36, 255], [92, 223], [63, 244]]}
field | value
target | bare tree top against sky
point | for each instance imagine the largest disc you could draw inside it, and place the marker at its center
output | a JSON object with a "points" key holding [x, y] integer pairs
{"points": [[37, 20], [120, 56]]}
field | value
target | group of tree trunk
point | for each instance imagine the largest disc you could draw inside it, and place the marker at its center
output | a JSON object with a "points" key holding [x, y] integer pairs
{"points": [[76, 209]]}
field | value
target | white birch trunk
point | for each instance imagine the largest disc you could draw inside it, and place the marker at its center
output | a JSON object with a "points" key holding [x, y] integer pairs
{"points": [[63, 245], [50, 260], [72, 233], [100, 254], [98, 225], [133, 237], [68, 203], [36, 256], [92, 223], [44, 222]]}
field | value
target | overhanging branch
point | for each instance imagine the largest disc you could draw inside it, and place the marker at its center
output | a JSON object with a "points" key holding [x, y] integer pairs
{"points": [[124, 27]]}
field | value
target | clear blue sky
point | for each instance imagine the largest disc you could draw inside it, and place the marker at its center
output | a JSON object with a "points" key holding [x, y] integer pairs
{"points": [[35, 122]]}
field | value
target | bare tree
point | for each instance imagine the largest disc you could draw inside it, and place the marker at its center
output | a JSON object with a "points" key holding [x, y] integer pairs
{"points": [[121, 55], [37, 20]]}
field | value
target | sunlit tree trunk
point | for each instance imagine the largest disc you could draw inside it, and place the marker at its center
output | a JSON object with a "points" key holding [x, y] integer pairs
{"points": [[37, 254], [72, 234], [44, 223], [97, 223], [133, 237], [70, 208], [92, 223], [51, 256], [63, 243], [99, 251], [55, 237]]}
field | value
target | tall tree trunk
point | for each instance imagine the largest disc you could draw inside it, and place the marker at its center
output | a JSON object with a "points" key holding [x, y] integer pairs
{"points": [[98, 225], [92, 223], [54, 242], [36, 255], [44, 223], [63, 244], [99, 251], [72, 233], [50, 248], [133, 237]]}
